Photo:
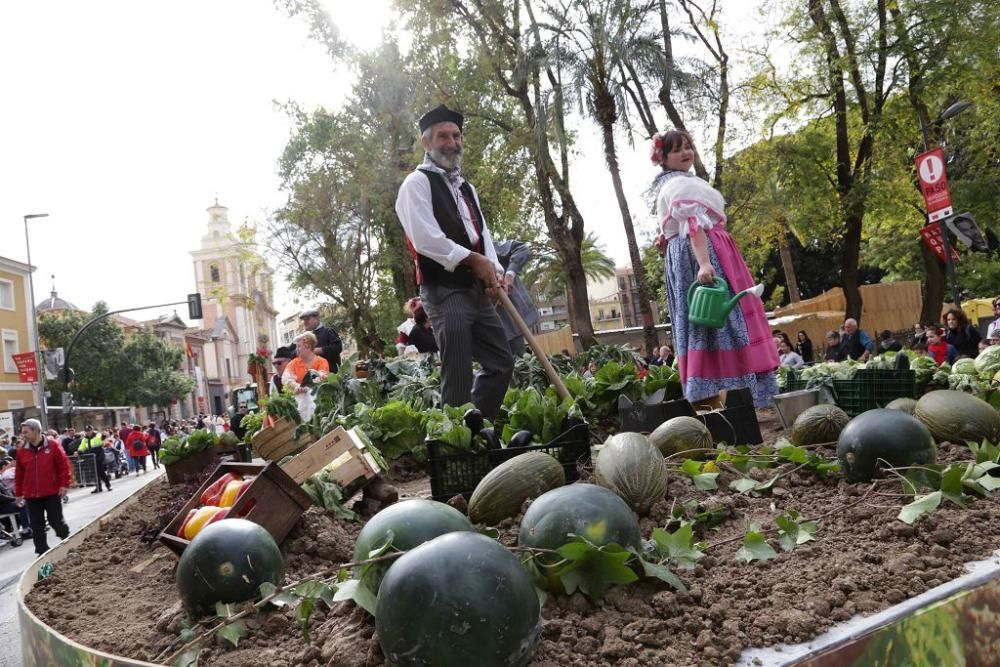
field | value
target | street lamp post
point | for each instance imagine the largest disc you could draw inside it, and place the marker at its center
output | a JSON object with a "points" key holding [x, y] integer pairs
{"points": [[34, 320]]}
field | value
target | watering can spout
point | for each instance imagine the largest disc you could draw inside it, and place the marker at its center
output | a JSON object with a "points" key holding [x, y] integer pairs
{"points": [[757, 290], [710, 305]]}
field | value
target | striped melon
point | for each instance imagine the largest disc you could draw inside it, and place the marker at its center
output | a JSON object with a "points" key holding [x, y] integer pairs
{"points": [[504, 489], [631, 466]]}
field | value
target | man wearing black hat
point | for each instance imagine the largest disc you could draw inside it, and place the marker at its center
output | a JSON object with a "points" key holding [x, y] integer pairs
{"points": [[282, 356], [328, 343], [457, 267]]}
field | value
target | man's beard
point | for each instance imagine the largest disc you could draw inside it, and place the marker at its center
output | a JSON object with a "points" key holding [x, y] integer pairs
{"points": [[446, 160]]}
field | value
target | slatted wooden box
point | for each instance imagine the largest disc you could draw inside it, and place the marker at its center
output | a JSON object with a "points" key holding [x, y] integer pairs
{"points": [[274, 500]]}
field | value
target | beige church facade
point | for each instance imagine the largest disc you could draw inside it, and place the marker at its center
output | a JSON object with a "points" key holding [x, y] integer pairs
{"points": [[237, 291]]}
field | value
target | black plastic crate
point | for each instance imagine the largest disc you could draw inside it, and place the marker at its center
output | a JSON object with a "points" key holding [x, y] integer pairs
{"points": [[457, 471], [881, 387], [867, 390]]}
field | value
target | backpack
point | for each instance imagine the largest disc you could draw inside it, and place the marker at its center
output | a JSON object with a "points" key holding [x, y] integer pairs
{"points": [[110, 456]]}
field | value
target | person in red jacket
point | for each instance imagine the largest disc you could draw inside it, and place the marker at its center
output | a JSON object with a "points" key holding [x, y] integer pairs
{"points": [[41, 480], [136, 445]]}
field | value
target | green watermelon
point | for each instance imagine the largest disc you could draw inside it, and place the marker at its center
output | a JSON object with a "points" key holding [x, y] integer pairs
{"points": [[883, 435], [459, 600], [409, 524], [227, 561]]}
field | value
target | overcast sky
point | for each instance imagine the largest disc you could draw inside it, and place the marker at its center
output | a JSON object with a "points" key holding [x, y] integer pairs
{"points": [[123, 120]]}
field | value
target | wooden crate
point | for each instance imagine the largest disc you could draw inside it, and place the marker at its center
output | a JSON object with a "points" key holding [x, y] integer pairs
{"points": [[277, 442], [352, 466], [190, 467], [274, 500]]}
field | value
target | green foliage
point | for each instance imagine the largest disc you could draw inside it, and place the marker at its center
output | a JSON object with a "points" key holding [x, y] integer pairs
{"points": [[678, 547], [448, 426], [793, 531], [112, 369], [176, 447], [530, 410], [755, 546], [703, 481]]}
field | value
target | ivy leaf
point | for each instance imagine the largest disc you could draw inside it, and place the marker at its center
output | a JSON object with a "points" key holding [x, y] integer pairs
{"points": [[232, 633], [315, 590], [791, 453], [353, 589], [302, 614], [188, 658], [755, 547], [592, 569], [792, 532], [920, 506], [951, 484], [703, 481], [663, 573], [743, 484], [988, 482], [679, 546], [222, 610]]}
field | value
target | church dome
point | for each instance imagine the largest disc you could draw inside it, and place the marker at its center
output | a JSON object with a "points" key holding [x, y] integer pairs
{"points": [[54, 303]]}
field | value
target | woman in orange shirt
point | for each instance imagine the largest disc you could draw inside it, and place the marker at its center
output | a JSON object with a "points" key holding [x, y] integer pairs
{"points": [[295, 372]]}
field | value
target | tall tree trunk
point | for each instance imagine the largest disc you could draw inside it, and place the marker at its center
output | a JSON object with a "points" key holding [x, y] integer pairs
{"points": [[785, 252], [611, 156], [849, 274], [934, 274], [934, 286], [666, 87]]}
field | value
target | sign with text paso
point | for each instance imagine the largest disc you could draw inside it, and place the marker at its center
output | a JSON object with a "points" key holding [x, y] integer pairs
{"points": [[934, 184], [27, 366]]}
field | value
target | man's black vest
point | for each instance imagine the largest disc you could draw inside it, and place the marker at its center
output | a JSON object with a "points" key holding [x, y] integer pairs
{"points": [[851, 345], [450, 220]]}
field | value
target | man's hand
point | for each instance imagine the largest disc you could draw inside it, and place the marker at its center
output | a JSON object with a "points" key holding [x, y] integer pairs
{"points": [[483, 269], [508, 281], [63, 491], [19, 501]]}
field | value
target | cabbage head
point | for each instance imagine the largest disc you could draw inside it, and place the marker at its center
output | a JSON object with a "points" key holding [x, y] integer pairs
{"points": [[988, 362]]}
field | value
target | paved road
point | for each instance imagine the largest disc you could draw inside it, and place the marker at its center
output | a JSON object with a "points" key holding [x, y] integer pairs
{"points": [[83, 507]]}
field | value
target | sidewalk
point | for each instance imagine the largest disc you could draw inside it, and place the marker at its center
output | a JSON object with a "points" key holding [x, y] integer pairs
{"points": [[82, 508]]}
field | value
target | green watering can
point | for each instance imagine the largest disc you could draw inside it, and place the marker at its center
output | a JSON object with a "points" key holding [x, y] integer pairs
{"points": [[709, 305]]}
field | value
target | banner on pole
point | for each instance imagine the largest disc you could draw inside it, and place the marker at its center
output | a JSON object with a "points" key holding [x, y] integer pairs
{"points": [[932, 237], [27, 366]]}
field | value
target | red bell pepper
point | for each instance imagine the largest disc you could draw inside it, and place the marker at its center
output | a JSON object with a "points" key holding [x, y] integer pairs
{"points": [[244, 486], [213, 493]]}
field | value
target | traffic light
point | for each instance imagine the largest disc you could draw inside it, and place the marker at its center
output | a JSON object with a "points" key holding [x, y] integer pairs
{"points": [[194, 306]]}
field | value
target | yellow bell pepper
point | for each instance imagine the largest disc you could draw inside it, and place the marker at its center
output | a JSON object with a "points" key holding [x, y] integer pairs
{"points": [[230, 494], [199, 520]]}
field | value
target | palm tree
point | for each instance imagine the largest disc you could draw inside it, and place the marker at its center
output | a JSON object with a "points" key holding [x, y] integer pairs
{"points": [[550, 277], [595, 48]]}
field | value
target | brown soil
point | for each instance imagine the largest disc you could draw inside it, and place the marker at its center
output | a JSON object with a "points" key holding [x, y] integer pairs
{"points": [[861, 561]]}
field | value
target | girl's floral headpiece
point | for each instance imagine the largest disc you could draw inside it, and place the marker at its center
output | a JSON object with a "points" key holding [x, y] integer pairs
{"points": [[656, 155]]}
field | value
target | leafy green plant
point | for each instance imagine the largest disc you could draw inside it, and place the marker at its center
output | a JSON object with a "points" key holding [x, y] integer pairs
{"points": [[704, 481], [793, 530], [530, 410], [755, 546], [280, 406]]}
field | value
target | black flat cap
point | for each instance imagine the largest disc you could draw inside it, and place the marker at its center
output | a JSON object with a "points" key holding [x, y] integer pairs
{"points": [[441, 114], [285, 352]]}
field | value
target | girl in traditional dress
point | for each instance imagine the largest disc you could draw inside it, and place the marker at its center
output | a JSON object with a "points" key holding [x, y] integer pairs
{"points": [[698, 248]]}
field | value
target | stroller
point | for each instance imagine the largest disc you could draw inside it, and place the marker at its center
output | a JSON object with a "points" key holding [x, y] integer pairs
{"points": [[14, 539], [9, 516]]}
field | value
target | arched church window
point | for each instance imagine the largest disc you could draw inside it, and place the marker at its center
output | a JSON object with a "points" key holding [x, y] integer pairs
{"points": [[214, 272]]}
